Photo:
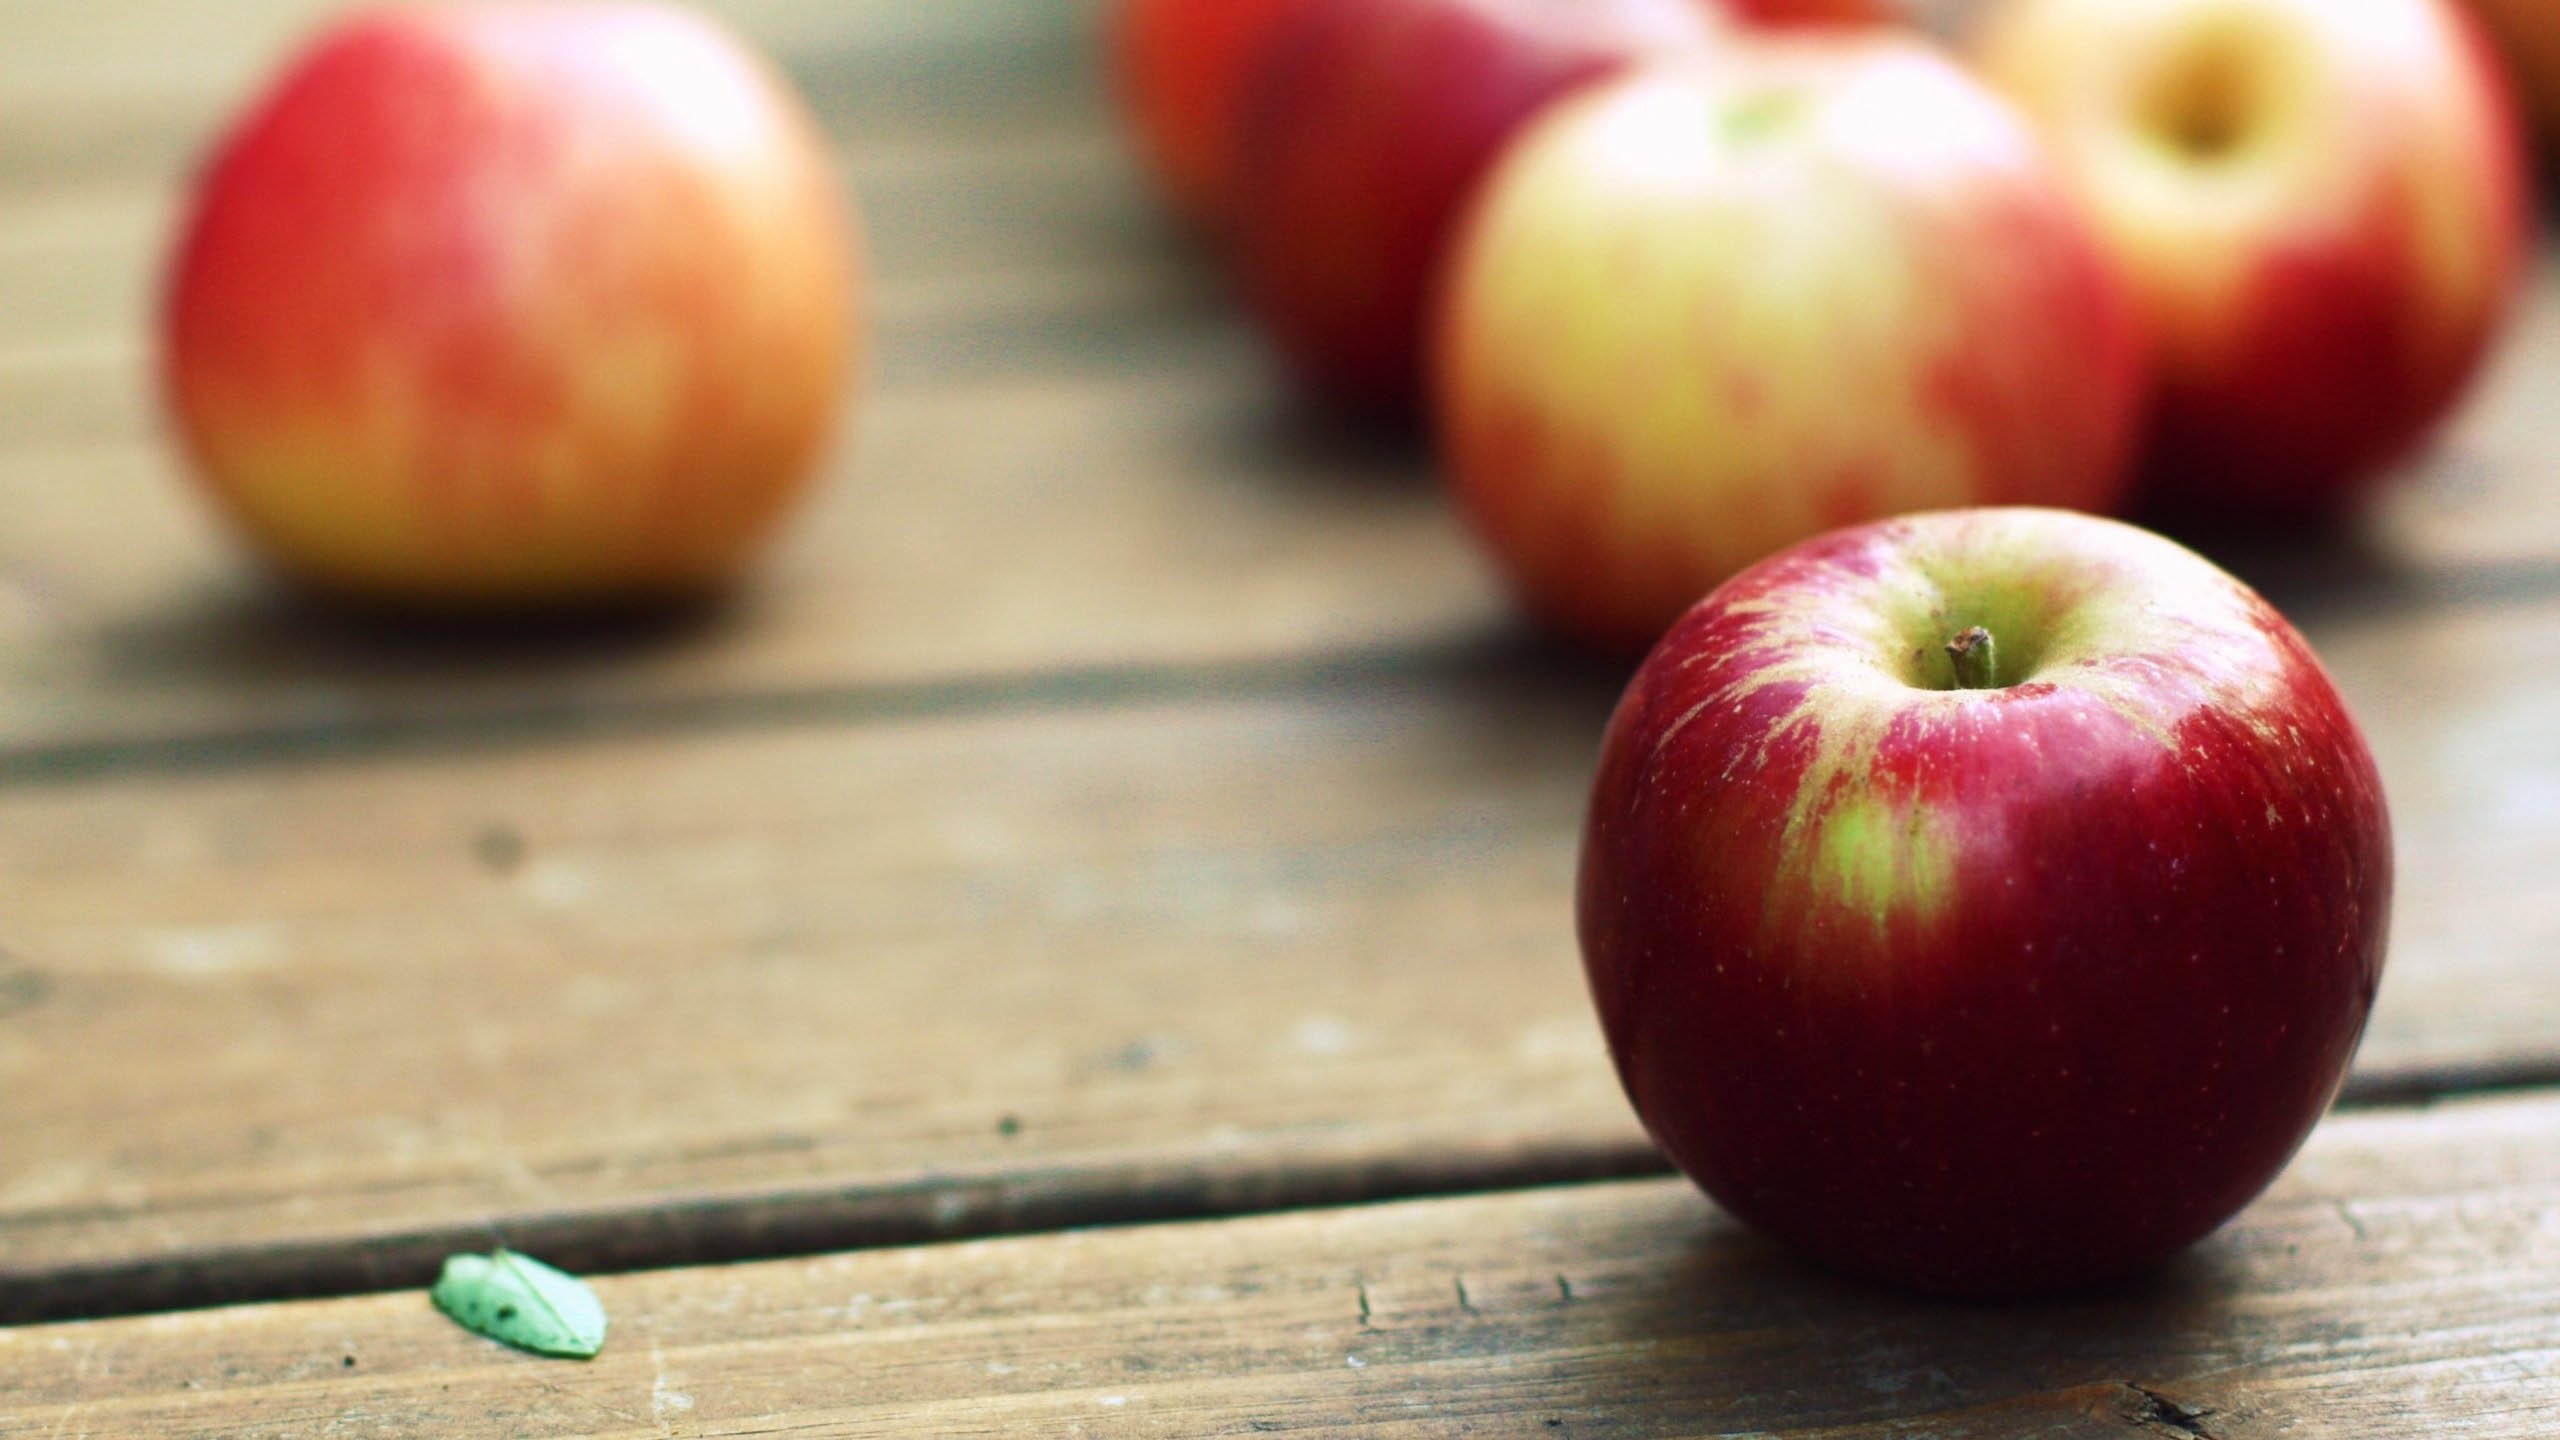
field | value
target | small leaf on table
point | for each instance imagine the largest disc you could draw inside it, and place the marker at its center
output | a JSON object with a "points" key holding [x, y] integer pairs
{"points": [[521, 1301]]}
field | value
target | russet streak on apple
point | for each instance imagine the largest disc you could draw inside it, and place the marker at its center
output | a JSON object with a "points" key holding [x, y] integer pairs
{"points": [[1986, 990]]}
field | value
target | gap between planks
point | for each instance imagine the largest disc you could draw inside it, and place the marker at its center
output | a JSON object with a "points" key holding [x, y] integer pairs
{"points": [[2399, 1279], [1497, 651], [1432, 768], [787, 1225], [892, 702]]}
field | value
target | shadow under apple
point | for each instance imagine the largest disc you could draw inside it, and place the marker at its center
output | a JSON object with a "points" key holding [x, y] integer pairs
{"points": [[1733, 1333]]}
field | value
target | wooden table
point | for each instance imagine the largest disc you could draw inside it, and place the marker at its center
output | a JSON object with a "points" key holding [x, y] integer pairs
{"points": [[1083, 947]]}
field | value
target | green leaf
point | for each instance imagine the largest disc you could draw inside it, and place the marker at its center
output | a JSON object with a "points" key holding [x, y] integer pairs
{"points": [[521, 1301]]}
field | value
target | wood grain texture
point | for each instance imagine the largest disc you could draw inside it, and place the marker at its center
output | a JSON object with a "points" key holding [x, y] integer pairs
{"points": [[916, 972], [1003, 527], [2403, 1278], [136, 88], [1190, 943]]}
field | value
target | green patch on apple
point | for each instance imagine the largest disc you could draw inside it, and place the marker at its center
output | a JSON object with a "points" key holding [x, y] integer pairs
{"points": [[1883, 859]]}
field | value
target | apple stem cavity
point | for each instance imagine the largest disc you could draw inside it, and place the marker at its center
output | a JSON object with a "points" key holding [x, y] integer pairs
{"points": [[1760, 116], [1976, 659]]}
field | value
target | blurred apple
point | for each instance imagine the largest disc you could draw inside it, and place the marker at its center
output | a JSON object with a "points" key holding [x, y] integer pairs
{"points": [[2322, 206], [2529, 32], [1365, 127], [1941, 17], [1709, 310], [501, 304], [1180, 67], [1816, 12]]}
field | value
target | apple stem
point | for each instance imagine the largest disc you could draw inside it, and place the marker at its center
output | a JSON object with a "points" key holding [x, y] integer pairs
{"points": [[1976, 660]]}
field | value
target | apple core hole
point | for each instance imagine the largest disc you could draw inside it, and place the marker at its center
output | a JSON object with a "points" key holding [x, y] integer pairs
{"points": [[1996, 641], [2203, 103], [1975, 655]]}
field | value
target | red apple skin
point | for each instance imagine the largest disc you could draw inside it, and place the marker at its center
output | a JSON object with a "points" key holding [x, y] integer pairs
{"points": [[1179, 68], [1675, 344], [2318, 285], [503, 305], [1364, 130], [1984, 991], [1816, 12]]}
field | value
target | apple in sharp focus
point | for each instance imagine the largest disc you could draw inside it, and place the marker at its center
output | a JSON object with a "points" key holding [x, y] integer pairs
{"points": [[2322, 205], [1180, 67], [1984, 901], [1364, 129], [509, 305], [2528, 32], [1711, 309]]}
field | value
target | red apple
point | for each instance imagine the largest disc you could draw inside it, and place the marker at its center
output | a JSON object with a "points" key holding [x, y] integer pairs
{"points": [[1816, 12], [1180, 67], [2529, 32], [502, 304], [1709, 310], [1984, 901], [2323, 206], [1365, 127]]}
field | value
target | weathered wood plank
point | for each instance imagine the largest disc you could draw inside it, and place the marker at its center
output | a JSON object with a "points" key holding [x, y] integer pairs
{"points": [[1249, 944], [1006, 525], [2462, 712], [2402, 1279], [135, 88], [1230, 937]]}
